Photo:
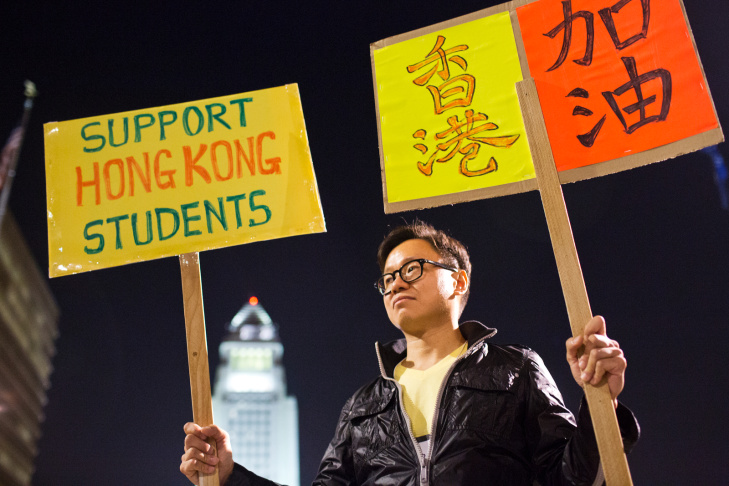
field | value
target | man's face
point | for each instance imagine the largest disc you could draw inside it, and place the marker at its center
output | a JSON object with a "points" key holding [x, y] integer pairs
{"points": [[416, 306]]}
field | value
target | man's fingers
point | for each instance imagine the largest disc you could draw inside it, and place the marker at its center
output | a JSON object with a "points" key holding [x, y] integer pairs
{"points": [[601, 360], [191, 428], [194, 461], [192, 467], [573, 346], [213, 431], [189, 472], [594, 357], [596, 326], [601, 341], [594, 341], [194, 442], [199, 456], [608, 366]]}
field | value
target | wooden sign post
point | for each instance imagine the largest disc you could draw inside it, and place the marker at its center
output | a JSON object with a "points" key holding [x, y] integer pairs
{"points": [[607, 432], [197, 351]]}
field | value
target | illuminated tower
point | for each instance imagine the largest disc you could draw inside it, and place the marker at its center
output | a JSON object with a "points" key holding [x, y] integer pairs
{"points": [[250, 400]]}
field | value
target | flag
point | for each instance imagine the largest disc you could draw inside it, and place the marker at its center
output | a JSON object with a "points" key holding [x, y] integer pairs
{"points": [[11, 150], [10, 155]]}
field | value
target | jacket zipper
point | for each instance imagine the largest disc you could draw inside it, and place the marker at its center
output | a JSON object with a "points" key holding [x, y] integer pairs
{"points": [[421, 457], [443, 383], [425, 462]]}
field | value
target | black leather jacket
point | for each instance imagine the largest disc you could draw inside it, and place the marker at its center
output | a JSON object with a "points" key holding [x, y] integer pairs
{"points": [[500, 420]]}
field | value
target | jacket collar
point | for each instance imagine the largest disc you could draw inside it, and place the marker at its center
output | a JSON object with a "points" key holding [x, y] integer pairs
{"points": [[390, 354]]}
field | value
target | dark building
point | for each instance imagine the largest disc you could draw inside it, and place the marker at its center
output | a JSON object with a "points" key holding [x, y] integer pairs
{"points": [[28, 330]]}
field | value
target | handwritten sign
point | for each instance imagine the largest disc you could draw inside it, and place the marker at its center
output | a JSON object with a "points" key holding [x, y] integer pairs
{"points": [[619, 81], [183, 178], [614, 77], [450, 118]]}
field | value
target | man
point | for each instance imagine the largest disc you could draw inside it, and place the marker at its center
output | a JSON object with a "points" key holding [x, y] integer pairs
{"points": [[450, 408]]}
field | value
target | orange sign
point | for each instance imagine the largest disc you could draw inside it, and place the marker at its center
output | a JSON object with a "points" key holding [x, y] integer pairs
{"points": [[615, 77]]}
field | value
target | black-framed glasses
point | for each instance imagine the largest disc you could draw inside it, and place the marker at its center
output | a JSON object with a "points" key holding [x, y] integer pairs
{"points": [[409, 272]]}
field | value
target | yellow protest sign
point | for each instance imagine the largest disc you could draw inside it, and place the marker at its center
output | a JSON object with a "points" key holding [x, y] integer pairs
{"points": [[450, 119], [182, 178]]}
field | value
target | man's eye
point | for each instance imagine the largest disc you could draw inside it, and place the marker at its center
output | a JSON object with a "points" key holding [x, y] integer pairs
{"points": [[411, 268]]}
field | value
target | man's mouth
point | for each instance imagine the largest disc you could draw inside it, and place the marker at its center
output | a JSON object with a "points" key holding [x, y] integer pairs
{"points": [[400, 298]]}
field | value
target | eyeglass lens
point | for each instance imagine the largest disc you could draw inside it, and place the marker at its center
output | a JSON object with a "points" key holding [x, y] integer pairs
{"points": [[409, 272]]}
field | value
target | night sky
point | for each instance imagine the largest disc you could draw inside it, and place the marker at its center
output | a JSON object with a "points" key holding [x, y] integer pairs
{"points": [[653, 242]]}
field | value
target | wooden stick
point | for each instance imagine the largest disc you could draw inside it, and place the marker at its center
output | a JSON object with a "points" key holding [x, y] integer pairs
{"points": [[197, 351], [607, 431]]}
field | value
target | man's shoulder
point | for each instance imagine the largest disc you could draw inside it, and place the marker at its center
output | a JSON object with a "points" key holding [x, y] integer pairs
{"points": [[511, 352], [517, 358], [494, 357]]}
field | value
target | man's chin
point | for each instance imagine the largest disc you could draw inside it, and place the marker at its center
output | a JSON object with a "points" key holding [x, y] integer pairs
{"points": [[408, 325], [397, 320]]}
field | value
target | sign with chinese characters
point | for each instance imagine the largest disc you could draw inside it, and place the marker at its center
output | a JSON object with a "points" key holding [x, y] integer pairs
{"points": [[620, 85], [177, 179], [449, 114], [614, 77]]}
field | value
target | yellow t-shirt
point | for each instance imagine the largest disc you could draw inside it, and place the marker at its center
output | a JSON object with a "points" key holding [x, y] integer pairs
{"points": [[420, 391]]}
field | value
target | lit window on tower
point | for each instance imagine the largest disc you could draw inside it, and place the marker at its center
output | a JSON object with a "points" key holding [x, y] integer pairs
{"points": [[251, 359]]}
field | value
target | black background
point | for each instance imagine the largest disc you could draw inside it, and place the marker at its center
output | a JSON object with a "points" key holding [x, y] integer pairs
{"points": [[652, 241]]}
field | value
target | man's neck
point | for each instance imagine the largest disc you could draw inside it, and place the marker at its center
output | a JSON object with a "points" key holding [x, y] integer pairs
{"points": [[431, 346]]}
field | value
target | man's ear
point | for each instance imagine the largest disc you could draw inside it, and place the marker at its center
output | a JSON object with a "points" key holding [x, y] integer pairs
{"points": [[462, 282]]}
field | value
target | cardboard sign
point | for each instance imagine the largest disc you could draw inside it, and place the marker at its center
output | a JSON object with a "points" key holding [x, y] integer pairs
{"points": [[614, 78], [450, 118], [183, 178], [620, 85]]}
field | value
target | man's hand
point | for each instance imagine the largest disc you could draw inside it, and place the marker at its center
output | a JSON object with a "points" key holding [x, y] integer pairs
{"points": [[200, 456], [593, 357]]}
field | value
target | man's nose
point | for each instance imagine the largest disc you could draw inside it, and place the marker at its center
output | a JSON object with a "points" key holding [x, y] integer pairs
{"points": [[398, 283]]}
